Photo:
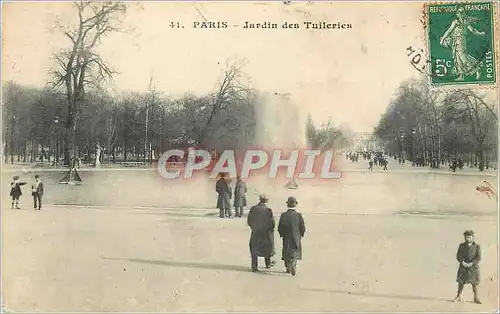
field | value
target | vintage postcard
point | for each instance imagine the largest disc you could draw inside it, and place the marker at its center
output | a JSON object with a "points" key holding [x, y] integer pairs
{"points": [[250, 156]]}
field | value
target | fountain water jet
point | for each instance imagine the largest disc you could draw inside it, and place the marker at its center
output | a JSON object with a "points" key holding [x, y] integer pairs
{"points": [[281, 124]]}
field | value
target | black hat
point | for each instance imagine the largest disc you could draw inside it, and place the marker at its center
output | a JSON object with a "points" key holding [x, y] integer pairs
{"points": [[37, 176], [468, 233], [292, 201], [263, 198]]}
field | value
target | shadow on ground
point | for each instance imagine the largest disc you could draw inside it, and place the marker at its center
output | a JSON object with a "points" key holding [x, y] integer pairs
{"points": [[186, 215], [209, 266], [378, 295]]}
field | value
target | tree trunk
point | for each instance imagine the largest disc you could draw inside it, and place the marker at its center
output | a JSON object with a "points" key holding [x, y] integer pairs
{"points": [[480, 156], [7, 148], [25, 152]]}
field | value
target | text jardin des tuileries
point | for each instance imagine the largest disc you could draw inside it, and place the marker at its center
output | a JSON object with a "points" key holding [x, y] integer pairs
{"points": [[265, 25]]}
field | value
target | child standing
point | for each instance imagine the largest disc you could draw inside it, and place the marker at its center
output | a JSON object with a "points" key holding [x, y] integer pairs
{"points": [[15, 191], [469, 256]]}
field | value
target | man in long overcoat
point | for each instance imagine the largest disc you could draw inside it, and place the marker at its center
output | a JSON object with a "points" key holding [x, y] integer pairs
{"points": [[468, 256], [240, 199], [223, 189], [291, 228], [261, 220]]}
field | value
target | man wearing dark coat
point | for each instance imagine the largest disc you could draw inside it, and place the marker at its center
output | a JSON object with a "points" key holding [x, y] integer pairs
{"points": [[37, 192], [291, 228], [468, 256], [224, 192], [261, 220], [240, 199]]}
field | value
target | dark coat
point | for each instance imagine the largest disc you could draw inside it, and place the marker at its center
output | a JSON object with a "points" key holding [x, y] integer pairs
{"points": [[468, 254], [291, 228], [240, 191], [224, 194], [15, 188], [261, 220], [38, 189]]}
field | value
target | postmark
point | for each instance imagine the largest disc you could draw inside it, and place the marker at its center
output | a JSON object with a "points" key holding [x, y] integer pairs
{"points": [[461, 44]]}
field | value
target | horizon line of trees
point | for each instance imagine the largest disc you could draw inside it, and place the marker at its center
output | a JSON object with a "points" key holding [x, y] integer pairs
{"points": [[135, 126], [432, 127], [129, 127]]}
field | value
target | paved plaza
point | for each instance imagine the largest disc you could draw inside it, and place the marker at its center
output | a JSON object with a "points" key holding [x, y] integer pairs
{"points": [[131, 241]]}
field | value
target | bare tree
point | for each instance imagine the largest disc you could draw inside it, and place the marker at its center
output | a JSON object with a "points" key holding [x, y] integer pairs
{"points": [[80, 65], [110, 136], [230, 89], [481, 118]]}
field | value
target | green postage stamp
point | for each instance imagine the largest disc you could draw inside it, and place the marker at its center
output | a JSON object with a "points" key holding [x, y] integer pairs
{"points": [[461, 43]]}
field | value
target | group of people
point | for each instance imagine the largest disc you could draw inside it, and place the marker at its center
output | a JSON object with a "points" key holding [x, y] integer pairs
{"points": [[260, 219], [36, 192], [378, 161], [291, 228], [225, 194]]}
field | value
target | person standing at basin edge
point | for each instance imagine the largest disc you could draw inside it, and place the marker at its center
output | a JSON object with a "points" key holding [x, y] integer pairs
{"points": [[261, 220], [240, 199], [291, 228], [37, 192], [15, 191], [469, 256], [223, 190]]}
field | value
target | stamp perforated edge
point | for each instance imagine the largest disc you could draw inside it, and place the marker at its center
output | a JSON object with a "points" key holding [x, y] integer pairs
{"points": [[481, 86]]}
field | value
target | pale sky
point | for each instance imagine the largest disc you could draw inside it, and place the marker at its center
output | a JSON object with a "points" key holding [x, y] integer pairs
{"points": [[348, 74]]}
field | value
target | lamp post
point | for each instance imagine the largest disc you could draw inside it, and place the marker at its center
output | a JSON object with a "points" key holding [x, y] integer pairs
{"points": [[413, 133], [402, 145], [56, 139]]}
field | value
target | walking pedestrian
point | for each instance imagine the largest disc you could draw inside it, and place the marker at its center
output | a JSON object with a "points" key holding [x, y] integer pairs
{"points": [[261, 221], [291, 228]]}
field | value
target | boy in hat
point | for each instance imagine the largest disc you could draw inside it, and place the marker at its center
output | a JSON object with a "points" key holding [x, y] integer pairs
{"points": [[15, 191], [291, 228], [469, 256], [37, 192]]}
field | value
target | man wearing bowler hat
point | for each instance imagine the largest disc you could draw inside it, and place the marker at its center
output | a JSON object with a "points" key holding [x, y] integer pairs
{"points": [[291, 228], [261, 220]]}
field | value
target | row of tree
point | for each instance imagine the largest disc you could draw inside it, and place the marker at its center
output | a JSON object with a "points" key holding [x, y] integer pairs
{"points": [[74, 118], [130, 126], [327, 136], [432, 127]]}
